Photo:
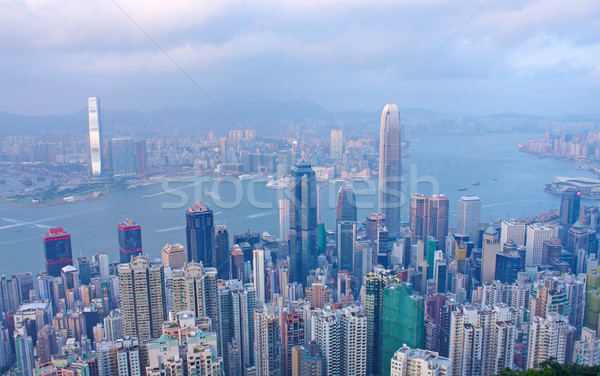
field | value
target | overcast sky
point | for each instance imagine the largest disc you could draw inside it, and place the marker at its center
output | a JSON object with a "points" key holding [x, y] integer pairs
{"points": [[538, 57]]}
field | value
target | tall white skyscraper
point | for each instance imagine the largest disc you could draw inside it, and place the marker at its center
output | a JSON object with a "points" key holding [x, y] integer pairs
{"points": [[95, 135], [259, 274], [537, 234], [337, 145], [390, 169], [469, 216], [512, 230], [284, 219]]}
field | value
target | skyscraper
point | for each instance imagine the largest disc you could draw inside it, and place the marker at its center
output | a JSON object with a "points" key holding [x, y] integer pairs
{"points": [[46, 343], [173, 256], [490, 248], [236, 333], [303, 222], [141, 159], [284, 219], [188, 290], [346, 234], [24, 352], [95, 135], [337, 145], [200, 234], [482, 341], [319, 203], [373, 221], [293, 334], [429, 217], [123, 158], [373, 305], [342, 338], [268, 342], [570, 204], [418, 217], [24, 284], [548, 339], [223, 251], [469, 216], [102, 260], [437, 219], [83, 265], [403, 321], [258, 268], [507, 266], [512, 230], [326, 332], [143, 298], [390, 171], [346, 204], [353, 343], [57, 251], [130, 240], [537, 234]]}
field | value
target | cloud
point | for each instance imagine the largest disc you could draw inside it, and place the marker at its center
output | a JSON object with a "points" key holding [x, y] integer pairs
{"points": [[345, 53]]}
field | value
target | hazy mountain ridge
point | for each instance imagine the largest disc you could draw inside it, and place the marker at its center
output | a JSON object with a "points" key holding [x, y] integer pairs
{"points": [[262, 114]]}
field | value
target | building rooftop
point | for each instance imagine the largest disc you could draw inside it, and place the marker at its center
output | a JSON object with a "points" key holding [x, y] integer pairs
{"points": [[33, 306], [69, 268], [198, 206]]}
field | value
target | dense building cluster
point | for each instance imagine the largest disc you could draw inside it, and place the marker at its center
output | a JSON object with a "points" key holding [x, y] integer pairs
{"points": [[373, 296]]}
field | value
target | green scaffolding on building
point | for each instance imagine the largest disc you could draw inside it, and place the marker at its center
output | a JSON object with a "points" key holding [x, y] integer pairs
{"points": [[403, 322]]}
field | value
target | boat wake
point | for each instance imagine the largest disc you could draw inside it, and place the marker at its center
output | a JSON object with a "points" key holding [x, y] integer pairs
{"points": [[170, 229], [259, 214]]}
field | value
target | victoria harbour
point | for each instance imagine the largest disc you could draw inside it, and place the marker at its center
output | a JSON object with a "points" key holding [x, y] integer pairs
{"points": [[510, 186]]}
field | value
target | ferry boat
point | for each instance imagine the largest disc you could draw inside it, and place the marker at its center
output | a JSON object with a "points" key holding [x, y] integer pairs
{"points": [[211, 194], [278, 184]]}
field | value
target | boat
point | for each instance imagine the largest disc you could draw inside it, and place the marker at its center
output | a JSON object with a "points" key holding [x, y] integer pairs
{"points": [[245, 177], [282, 183], [462, 189], [476, 183], [211, 194], [266, 237]]}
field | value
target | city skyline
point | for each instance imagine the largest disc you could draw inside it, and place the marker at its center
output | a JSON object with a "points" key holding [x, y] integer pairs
{"points": [[368, 293], [364, 196]]}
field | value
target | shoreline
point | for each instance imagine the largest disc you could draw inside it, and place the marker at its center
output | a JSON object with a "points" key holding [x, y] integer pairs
{"points": [[137, 184], [578, 164]]}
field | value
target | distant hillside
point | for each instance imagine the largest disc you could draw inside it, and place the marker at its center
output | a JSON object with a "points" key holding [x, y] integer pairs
{"points": [[273, 115]]}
